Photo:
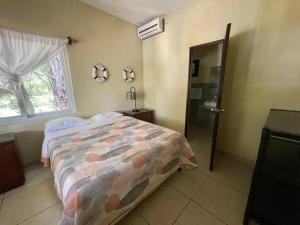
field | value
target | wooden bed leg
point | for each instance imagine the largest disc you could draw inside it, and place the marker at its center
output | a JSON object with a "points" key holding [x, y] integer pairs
{"points": [[179, 169]]}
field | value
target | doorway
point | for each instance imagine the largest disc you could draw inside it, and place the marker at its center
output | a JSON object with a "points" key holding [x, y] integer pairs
{"points": [[205, 87]]}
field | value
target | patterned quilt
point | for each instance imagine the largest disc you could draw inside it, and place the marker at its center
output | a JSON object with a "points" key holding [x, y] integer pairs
{"points": [[102, 171]]}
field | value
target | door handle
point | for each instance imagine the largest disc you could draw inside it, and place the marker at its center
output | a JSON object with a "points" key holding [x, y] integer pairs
{"points": [[217, 110]]}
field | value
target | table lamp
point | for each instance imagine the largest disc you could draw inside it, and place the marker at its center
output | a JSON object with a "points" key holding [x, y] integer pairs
{"points": [[131, 95]]}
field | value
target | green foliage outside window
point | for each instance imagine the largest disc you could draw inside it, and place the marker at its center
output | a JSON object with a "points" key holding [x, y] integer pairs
{"points": [[39, 88], [43, 91], [8, 104]]}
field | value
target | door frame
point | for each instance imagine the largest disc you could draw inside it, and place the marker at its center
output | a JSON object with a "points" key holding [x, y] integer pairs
{"points": [[225, 43]]}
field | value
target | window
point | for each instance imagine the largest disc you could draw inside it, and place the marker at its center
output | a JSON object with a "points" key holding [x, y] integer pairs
{"points": [[44, 91], [8, 104]]}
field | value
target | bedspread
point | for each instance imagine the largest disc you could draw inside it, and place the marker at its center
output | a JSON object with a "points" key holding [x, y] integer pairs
{"points": [[103, 171]]}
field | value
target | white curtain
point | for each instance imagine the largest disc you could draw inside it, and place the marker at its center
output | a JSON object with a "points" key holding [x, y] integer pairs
{"points": [[58, 82], [21, 53]]}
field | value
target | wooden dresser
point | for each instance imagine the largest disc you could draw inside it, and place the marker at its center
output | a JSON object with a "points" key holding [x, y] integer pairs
{"points": [[143, 114], [11, 169], [274, 197]]}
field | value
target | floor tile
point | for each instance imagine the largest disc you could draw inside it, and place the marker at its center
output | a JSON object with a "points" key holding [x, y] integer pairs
{"points": [[233, 173], [163, 206], [222, 201], [194, 215], [36, 202], [33, 176], [200, 140], [48, 217], [203, 163], [133, 218], [24, 204], [187, 182], [201, 147]]}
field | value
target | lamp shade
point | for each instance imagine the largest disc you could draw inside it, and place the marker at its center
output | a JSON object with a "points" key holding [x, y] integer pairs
{"points": [[130, 95]]}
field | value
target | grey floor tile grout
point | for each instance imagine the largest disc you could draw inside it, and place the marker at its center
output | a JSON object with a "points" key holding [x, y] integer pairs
{"points": [[43, 210], [25, 188], [181, 212], [206, 179], [142, 217], [177, 191], [201, 185], [229, 186], [205, 174], [192, 200], [209, 212], [189, 200]]}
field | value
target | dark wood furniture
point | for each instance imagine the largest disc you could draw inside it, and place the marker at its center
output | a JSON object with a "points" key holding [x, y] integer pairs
{"points": [[143, 114], [274, 197], [11, 169]]}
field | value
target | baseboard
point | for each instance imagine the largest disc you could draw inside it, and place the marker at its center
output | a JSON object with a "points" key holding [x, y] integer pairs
{"points": [[32, 163], [237, 158]]}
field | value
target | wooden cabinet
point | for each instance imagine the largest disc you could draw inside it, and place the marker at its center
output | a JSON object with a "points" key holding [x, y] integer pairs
{"points": [[11, 169], [274, 197], [143, 114]]}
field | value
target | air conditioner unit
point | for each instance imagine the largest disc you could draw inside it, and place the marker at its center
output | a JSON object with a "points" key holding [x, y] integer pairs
{"points": [[154, 27]]}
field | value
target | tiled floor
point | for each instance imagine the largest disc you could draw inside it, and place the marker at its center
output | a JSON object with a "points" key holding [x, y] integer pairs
{"points": [[197, 197]]}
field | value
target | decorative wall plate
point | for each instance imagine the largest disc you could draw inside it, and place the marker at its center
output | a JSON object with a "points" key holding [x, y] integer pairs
{"points": [[100, 73], [128, 75]]}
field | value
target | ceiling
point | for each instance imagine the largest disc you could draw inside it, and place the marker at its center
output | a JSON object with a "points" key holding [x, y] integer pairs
{"points": [[136, 11]]}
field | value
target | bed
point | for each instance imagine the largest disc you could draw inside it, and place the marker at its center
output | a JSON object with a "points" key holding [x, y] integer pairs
{"points": [[103, 169]]}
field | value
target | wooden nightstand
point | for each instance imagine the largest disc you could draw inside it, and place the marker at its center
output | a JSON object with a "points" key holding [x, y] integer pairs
{"points": [[143, 114], [11, 169]]}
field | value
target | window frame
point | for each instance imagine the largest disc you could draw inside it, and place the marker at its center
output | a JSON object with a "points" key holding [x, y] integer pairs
{"points": [[70, 94]]}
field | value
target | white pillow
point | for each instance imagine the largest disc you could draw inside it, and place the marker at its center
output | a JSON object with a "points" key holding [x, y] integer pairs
{"points": [[64, 123], [101, 117]]}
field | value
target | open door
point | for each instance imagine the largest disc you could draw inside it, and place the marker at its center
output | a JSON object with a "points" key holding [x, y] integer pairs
{"points": [[205, 88], [218, 108]]}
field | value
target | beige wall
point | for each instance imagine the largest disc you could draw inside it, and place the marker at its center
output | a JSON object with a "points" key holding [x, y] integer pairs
{"points": [[263, 69], [101, 38]]}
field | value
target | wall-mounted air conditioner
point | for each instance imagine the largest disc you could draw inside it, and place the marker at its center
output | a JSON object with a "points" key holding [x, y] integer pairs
{"points": [[154, 27]]}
